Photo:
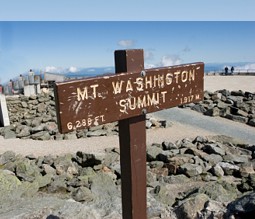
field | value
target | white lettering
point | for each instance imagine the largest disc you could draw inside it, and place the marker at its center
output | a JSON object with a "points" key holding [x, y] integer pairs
{"points": [[117, 87], [82, 95], [129, 86]]}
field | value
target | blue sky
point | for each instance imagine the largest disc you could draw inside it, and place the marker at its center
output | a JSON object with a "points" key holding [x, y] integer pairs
{"points": [[74, 45], [151, 10], [80, 39]]}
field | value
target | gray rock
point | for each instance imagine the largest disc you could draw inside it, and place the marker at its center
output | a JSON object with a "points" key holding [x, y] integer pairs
{"points": [[38, 128], [237, 118], [190, 208], [214, 149], [105, 191], [42, 135], [217, 170], [213, 209], [36, 121], [26, 170], [48, 169], [58, 185], [216, 192], [180, 159], [228, 168], [212, 112], [236, 159], [153, 152], [8, 156], [168, 145], [10, 185], [23, 131], [8, 133], [82, 194], [190, 170], [199, 108], [177, 179]]}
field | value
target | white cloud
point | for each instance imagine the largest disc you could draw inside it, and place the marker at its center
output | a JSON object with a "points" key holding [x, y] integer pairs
{"points": [[149, 65], [73, 69], [170, 60], [53, 69], [246, 67], [126, 43]]}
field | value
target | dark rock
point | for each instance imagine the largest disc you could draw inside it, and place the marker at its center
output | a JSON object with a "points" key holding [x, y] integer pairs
{"points": [[214, 149], [243, 207], [252, 122], [169, 146], [153, 152], [86, 160], [199, 108], [212, 112], [200, 139], [237, 118], [237, 93]]}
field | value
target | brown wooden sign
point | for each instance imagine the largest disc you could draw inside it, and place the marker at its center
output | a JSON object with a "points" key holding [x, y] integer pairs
{"points": [[95, 101], [126, 97]]}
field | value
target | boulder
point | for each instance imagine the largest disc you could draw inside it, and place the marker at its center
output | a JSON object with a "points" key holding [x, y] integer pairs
{"points": [[243, 207], [216, 192], [190, 170], [191, 207]]}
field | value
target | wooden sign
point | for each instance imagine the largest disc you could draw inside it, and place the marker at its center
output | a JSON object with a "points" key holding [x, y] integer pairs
{"points": [[95, 101], [126, 97]]}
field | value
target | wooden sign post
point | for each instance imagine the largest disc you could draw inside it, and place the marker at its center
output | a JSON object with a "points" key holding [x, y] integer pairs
{"points": [[126, 97]]}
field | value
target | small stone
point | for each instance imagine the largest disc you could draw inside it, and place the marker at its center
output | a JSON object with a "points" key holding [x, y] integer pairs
{"points": [[217, 170], [82, 194]]}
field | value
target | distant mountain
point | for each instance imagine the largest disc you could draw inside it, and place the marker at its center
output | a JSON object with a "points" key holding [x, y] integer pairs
{"points": [[89, 72], [74, 72]]}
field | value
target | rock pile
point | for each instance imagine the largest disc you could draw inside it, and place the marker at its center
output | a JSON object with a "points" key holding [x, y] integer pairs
{"points": [[235, 105], [191, 178], [35, 117]]}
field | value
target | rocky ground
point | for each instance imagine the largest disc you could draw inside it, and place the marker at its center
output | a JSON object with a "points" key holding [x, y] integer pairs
{"points": [[238, 106], [202, 177], [190, 178]]}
